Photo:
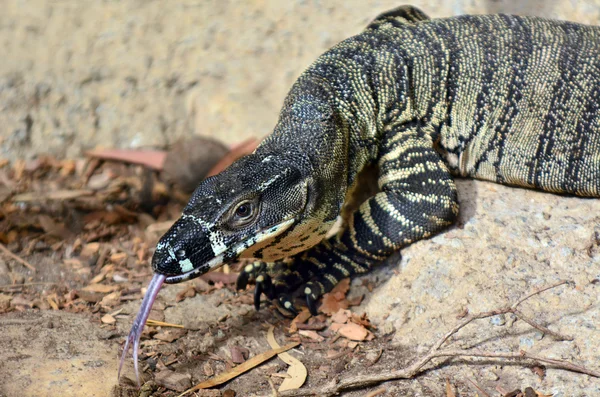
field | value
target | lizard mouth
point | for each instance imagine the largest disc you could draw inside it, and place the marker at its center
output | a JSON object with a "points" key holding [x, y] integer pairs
{"points": [[232, 252]]}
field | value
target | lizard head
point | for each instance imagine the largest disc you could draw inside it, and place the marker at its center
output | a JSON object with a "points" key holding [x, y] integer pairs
{"points": [[244, 208]]}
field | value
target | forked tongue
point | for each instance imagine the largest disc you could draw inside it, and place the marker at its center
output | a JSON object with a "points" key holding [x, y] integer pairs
{"points": [[140, 321]]}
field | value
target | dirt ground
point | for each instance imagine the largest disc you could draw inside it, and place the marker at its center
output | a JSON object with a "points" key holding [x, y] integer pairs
{"points": [[135, 74]]}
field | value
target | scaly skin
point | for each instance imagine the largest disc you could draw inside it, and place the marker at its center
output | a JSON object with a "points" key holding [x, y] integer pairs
{"points": [[508, 99]]}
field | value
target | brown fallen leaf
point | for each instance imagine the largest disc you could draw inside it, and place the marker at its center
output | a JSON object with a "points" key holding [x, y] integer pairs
{"points": [[299, 319], [539, 371], [239, 354], [336, 299], [240, 369], [89, 250], [353, 331], [341, 316], [108, 319], [312, 335], [153, 159], [297, 371], [52, 301], [170, 335]]}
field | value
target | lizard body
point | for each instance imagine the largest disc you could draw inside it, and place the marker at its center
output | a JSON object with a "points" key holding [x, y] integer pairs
{"points": [[503, 98], [420, 101]]}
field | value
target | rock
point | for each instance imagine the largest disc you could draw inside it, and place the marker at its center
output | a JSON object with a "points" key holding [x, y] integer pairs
{"points": [[173, 380], [502, 249]]}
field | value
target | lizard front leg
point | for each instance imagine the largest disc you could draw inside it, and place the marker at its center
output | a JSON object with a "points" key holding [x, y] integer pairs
{"points": [[418, 198]]}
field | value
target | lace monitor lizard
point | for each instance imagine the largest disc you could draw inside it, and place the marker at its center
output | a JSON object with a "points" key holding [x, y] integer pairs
{"points": [[417, 102]]}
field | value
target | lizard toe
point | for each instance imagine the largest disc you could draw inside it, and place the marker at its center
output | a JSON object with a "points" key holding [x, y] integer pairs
{"points": [[264, 284], [286, 302], [312, 294]]}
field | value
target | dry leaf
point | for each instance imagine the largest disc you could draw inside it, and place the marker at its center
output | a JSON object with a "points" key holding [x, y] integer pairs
{"points": [[52, 302], [353, 331], [539, 371], [154, 159], [239, 354], [108, 319], [299, 319], [312, 335], [297, 371], [341, 316], [336, 299], [170, 335], [89, 250], [240, 369]]}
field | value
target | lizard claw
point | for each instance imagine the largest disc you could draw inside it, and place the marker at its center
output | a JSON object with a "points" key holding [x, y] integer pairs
{"points": [[258, 289], [311, 302], [242, 281]]}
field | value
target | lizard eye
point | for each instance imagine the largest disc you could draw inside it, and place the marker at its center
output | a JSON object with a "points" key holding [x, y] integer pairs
{"points": [[244, 213], [244, 210]]}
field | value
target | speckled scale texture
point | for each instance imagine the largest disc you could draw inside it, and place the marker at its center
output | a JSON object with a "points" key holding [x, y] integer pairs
{"points": [[498, 97], [503, 98]]}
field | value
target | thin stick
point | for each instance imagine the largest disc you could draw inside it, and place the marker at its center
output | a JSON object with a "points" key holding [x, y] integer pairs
{"points": [[539, 291], [17, 258], [479, 388], [540, 327]]}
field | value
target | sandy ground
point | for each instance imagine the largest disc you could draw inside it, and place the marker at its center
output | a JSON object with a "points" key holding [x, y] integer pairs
{"points": [[78, 75]]}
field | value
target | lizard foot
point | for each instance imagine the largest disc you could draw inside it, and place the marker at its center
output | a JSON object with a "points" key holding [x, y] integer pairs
{"points": [[256, 273]]}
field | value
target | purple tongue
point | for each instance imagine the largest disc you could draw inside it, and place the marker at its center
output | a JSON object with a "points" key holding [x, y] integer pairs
{"points": [[140, 321]]}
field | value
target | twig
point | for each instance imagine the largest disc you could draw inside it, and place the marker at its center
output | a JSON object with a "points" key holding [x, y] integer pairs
{"points": [[17, 258], [415, 368], [539, 291], [540, 327], [479, 388]]}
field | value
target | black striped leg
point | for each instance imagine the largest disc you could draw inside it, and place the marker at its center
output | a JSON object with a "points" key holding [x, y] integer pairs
{"points": [[418, 199]]}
